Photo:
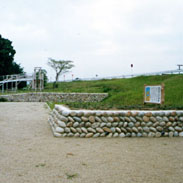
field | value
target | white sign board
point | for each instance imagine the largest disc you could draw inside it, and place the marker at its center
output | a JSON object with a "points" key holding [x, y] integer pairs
{"points": [[153, 94]]}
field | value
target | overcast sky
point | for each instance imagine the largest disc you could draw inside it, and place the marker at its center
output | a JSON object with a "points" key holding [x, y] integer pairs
{"points": [[102, 37]]}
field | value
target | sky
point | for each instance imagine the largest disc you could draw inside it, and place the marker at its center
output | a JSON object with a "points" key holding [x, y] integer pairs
{"points": [[101, 37]]}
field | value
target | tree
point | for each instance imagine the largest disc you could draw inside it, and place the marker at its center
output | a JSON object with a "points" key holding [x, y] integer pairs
{"points": [[7, 64], [60, 67]]}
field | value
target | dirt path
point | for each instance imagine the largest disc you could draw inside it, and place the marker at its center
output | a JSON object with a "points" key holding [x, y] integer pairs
{"points": [[29, 153]]}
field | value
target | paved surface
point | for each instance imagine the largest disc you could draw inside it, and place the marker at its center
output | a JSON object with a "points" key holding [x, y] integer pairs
{"points": [[30, 153]]}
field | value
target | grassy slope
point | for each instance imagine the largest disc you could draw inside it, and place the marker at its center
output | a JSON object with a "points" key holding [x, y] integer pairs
{"points": [[126, 93]]}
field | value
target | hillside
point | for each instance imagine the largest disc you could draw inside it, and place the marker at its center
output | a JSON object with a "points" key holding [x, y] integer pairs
{"points": [[126, 93]]}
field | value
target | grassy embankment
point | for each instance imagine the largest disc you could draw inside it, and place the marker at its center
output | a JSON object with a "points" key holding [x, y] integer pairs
{"points": [[125, 93]]}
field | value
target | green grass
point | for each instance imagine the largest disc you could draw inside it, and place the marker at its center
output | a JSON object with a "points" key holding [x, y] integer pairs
{"points": [[125, 93]]}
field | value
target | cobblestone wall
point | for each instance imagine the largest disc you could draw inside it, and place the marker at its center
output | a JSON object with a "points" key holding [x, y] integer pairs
{"points": [[55, 97], [87, 123]]}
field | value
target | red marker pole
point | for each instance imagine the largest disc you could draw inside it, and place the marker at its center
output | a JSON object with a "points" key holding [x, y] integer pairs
{"points": [[132, 69]]}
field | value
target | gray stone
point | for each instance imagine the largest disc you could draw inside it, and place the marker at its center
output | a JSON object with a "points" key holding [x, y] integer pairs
{"points": [[122, 135], [175, 134], [67, 130], [120, 124], [82, 124], [73, 113], [65, 113], [102, 135], [139, 134], [76, 135], [118, 130], [125, 124], [153, 119], [109, 135], [130, 124], [87, 114], [83, 135], [91, 130], [143, 124], [61, 124], [122, 119], [79, 130], [73, 130], [98, 114], [102, 125], [171, 129], [98, 119], [128, 135], [62, 118], [108, 124], [115, 124], [57, 134], [110, 119], [165, 119], [138, 118], [151, 134], [84, 119], [129, 129], [65, 135], [177, 128], [59, 130], [149, 124], [70, 135], [134, 134], [115, 135], [144, 134], [88, 124], [76, 124], [135, 129], [96, 135], [84, 130], [80, 113], [133, 119], [124, 130], [113, 129], [99, 130], [156, 124], [104, 119], [140, 129], [181, 134], [77, 119], [89, 135], [158, 118], [162, 123], [159, 128], [158, 134], [152, 129], [146, 129], [70, 119], [127, 119], [95, 125]]}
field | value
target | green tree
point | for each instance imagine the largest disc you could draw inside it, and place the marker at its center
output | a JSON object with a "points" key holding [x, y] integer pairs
{"points": [[7, 64], [60, 67]]}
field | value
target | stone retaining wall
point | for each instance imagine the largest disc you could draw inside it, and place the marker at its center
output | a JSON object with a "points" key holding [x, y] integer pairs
{"points": [[55, 97], [87, 123]]}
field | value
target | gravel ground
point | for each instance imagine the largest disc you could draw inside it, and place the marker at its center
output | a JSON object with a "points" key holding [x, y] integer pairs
{"points": [[30, 153]]}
